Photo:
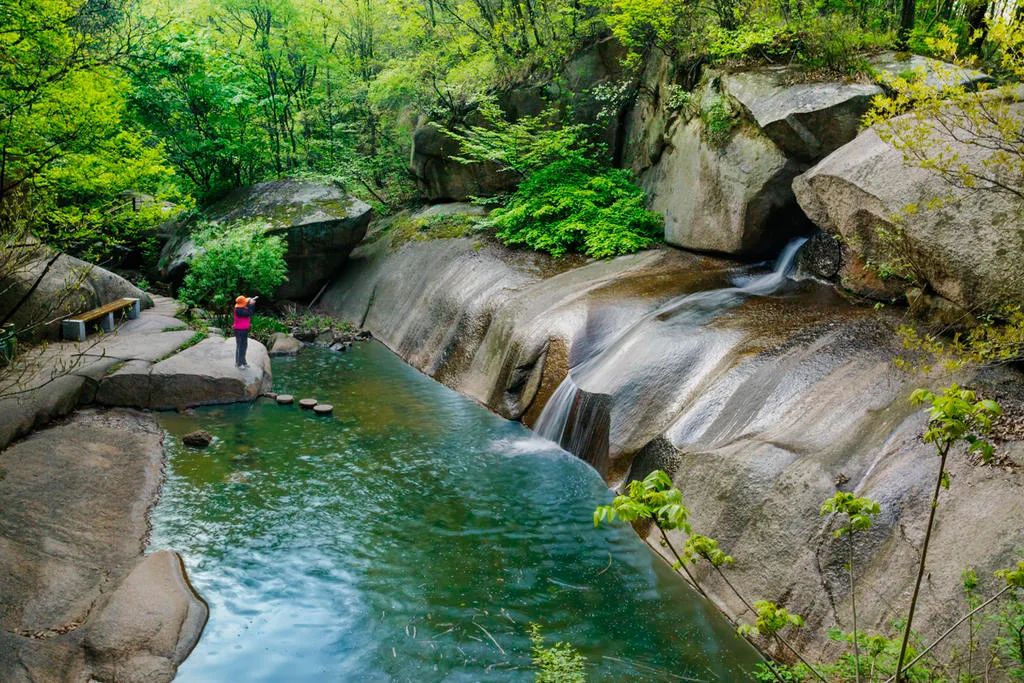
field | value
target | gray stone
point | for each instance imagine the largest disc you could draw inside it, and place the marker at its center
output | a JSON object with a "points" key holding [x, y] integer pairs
{"points": [[320, 224], [69, 286], [198, 439], [733, 200], [806, 120], [441, 178], [967, 250], [202, 374], [78, 604], [282, 344], [756, 407], [937, 74]]}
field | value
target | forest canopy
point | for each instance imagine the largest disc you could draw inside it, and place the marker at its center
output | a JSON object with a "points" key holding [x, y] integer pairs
{"points": [[106, 101]]}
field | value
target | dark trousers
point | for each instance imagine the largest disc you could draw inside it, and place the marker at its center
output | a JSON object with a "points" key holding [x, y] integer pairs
{"points": [[241, 344]]}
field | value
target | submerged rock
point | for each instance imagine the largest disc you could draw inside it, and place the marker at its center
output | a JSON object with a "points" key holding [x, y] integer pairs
{"points": [[320, 223], [198, 439]]}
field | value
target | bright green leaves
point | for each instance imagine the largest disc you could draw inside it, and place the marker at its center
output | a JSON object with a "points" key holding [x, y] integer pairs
{"points": [[770, 620], [1013, 577], [699, 546], [231, 261], [859, 512], [575, 205], [654, 497], [559, 663], [956, 415]]}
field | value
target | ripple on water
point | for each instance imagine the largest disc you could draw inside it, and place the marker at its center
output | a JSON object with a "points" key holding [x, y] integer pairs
{"points": [[411, 538]]}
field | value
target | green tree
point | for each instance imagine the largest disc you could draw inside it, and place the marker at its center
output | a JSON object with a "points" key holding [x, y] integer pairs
{"points": [[240, 259], [955, 417]]}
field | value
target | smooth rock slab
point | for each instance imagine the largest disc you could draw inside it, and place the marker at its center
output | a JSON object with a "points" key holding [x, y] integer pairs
{"points": [[282, 344], [203, 374], [77, 604]]}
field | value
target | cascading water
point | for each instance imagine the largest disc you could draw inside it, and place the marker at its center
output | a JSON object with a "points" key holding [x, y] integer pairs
{"points": [[562, 421]]}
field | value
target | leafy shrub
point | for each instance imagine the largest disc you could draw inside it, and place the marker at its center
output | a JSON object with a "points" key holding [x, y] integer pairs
{"points": [[240, 259], [263, 326], [560, 663], [719, 120], [575, 205]]}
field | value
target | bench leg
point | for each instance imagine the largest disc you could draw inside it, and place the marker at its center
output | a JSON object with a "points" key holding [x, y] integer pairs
{"points": [[107, 322], [135, 311], [73, 330]]}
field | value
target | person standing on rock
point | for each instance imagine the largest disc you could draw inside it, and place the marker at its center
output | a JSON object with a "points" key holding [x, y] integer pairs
{"points": [[244, 307]]}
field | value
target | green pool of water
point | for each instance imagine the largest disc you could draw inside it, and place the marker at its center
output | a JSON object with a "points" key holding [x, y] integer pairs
{"points": [[411, 537]]}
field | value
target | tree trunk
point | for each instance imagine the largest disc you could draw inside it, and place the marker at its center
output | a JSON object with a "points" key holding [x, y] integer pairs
{"points": [[906, 24]]}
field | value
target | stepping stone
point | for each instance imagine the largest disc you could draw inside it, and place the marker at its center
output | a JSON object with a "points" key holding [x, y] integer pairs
{"points": [[285, 399], [323, 409], [307, 403]]}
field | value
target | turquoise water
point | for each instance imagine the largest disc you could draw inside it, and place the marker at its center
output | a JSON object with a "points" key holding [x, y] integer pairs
{"points": [[411, 537]]}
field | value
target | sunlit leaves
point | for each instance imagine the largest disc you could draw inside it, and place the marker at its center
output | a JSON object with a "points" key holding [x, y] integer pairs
{"points": [[653, 497], [860, 512], [770, 620], [956, 415]]}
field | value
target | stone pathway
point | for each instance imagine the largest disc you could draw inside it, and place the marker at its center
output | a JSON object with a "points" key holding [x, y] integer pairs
{"points": [[144, 363]]}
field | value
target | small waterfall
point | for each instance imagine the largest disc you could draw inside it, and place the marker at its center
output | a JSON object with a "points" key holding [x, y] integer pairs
{"points": [[560, 420]]}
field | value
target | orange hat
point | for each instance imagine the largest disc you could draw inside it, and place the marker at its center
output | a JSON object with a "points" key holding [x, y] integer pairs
{"points": [[241, 301]]}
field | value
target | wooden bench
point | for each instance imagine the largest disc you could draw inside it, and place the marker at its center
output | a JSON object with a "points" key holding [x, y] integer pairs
{"points": [[74, 328]]}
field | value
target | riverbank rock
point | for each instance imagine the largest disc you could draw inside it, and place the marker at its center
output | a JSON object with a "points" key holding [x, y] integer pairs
{"points": [[737, 198], [202, 374], [320, 223], [68, 285], [440, 177], [756, 406], [282, 344], [966, 249], [79, 601]]}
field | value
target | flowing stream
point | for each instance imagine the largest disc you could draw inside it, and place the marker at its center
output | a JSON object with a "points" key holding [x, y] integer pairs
{"points": [[412, 537], [561, 420]]}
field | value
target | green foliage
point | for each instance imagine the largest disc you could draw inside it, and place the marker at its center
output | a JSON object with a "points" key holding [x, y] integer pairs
{"points": [[263, 326], [527, 144], [859, 512], [575, 205], [719, 121], [234, 260], [560, 663], [653, 497], [700, 546], [405, 229], [770, 620], [991, 340], [956, 415]]}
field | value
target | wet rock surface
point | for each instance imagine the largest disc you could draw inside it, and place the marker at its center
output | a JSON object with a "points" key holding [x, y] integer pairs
{"points": [[79, 600], [757, 405]]}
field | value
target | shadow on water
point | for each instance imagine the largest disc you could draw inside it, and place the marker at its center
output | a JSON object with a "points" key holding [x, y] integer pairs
{"points": [[412, 537]]}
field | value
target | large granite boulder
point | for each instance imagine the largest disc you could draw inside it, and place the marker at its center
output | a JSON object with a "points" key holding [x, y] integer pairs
{"points": [[79, 601], [202, 374], [732, 198], [52, 286], [441, 178], [806, 120], [967, 249], [320, 223], [936, 73]]}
